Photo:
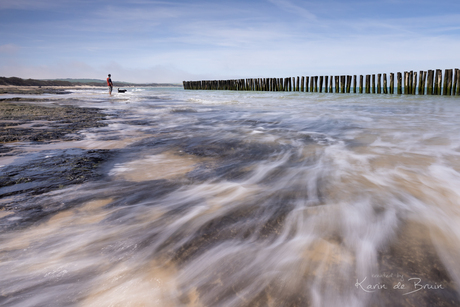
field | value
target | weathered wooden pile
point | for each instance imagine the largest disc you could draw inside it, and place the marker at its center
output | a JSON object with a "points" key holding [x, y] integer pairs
{"points": [[429, 82]]}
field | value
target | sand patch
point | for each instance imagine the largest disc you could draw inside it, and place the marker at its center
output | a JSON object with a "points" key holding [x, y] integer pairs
{"points": [[167, 165], [89, 213]]}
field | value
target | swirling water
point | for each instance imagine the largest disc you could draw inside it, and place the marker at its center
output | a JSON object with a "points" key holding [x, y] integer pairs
{"points": [[220, 198]]}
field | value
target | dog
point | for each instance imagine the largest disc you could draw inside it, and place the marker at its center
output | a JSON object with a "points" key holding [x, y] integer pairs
{"points": [[121, 91]]}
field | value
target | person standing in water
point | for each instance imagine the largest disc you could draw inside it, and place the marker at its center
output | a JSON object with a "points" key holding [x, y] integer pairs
{"points": [[110, 85]]}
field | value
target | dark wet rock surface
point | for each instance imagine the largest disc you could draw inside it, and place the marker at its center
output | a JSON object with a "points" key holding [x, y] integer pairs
{"points": [[50, 170], [63, 120]]}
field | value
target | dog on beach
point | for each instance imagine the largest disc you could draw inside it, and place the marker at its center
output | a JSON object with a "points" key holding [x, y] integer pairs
{"points": [[121, 91]]}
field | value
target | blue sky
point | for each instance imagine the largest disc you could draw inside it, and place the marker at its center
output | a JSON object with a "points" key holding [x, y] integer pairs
{"points": [[172, 41]]}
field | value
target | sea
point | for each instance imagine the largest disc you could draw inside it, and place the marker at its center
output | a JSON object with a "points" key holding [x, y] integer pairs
{"points": [[238, 198]]}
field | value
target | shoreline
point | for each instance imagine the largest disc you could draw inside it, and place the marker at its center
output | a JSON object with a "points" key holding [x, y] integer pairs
{"points": [[37, 90]]}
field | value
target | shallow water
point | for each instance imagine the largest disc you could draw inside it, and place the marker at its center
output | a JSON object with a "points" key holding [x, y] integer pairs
{"points": [[220, 198]]}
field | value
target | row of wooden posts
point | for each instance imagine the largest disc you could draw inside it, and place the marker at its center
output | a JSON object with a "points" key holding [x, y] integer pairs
{"points": [[429, 82]]}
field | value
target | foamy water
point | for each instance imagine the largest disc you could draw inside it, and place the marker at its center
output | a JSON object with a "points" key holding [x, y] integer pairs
{"points": [[219, 198]]}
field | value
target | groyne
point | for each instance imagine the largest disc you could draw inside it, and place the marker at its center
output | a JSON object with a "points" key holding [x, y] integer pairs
{"points": [[429, 82]]}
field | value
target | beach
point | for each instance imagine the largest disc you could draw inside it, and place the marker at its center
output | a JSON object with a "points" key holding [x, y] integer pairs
{"points": [[167, 197]]}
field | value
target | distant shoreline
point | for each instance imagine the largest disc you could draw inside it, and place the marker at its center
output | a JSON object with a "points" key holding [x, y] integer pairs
{"points": [[60, 89], [14, 81]]}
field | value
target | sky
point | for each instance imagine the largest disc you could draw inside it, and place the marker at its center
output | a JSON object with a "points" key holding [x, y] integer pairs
{"points": [[171, 41]]}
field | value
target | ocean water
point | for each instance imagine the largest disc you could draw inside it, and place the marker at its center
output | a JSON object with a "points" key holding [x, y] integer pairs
{"points": [[222, 198]]}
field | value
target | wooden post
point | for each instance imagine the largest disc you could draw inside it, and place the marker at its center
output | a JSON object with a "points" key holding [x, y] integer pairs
{"points": [[439, 81], [342, 84], [302, 82], [368, 84], [414, 82], [379, 84], [454, 87], [399, 82], [423, 82], [406, 82], [411, 81], [337, 88], [297, 86], [321, 84], [331, 85], [429, 83], [348, 84], [373, 84], [361, 83], [420, 82], [326, 83], [354, 83], [444, 85], [385, 86], [435, 87], [312, 84], [307, 82], [392, 83], [451, 76], [458, 82]]}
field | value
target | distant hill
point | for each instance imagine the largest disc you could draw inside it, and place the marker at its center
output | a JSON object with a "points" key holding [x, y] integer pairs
{"points": [[31, 82], [72, 82]]}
